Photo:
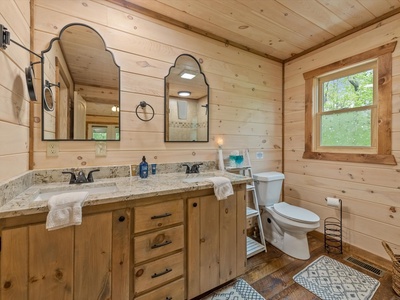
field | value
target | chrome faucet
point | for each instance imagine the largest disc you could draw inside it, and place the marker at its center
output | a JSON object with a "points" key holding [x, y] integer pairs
{"points": [[81, 178]]}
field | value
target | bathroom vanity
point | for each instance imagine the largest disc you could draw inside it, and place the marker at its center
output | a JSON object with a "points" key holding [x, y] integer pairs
{"points": [[158, 238]]}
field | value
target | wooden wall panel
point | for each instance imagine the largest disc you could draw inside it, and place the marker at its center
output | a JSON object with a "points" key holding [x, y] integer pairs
{"points": [[245, 89], [14, 103], [370, 192]]}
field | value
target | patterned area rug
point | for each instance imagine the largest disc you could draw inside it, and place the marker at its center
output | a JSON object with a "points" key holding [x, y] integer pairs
{"points": [[331, 280], [239, 290]]}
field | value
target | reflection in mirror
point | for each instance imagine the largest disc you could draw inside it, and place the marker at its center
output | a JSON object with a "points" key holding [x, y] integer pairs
{"points": [[48, 101], [86, 103], [186, 102]]}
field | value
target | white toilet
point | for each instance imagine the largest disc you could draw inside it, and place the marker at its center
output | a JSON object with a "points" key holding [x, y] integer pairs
{"points": [[285, 226]]}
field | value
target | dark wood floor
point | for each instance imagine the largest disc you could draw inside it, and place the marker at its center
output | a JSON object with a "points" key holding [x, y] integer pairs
{"points": [[271, 273]]}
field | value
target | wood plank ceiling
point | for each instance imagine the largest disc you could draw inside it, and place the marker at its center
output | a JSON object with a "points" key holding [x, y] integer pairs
{"points": [[278, 29]]}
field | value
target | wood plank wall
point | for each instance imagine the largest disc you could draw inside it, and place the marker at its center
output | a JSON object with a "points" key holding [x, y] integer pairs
{"points": [[245, 89], [370, 193], [14, 103]]}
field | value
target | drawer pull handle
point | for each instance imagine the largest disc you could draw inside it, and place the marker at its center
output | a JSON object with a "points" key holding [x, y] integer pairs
{"points": [[168, 298], [161, 245], [161, 274], [161, 216]]}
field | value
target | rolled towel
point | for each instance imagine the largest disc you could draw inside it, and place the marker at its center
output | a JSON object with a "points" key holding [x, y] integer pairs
{"points": [[65, 210], [222, 187]]}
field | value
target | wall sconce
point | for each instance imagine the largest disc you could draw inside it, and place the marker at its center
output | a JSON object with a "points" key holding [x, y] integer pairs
{"points": [[184, 93], [143, 105]]}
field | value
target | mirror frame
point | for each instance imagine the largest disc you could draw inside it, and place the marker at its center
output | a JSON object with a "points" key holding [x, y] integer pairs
{"points": [[166, 108], [43, 85]]}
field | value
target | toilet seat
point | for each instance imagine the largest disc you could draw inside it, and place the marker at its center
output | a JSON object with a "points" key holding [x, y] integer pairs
{"points": [[295, 213]]}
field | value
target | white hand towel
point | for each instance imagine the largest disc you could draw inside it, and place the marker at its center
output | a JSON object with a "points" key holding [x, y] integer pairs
{"points": [[222, 187], [65, 210]]}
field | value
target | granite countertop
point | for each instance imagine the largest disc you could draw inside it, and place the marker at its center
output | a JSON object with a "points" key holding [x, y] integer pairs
{"points": [[123, 189]]}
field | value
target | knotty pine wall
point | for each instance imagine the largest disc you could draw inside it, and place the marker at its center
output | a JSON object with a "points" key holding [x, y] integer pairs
{"points": [[370, 193], [14, 103], [245, 89]]}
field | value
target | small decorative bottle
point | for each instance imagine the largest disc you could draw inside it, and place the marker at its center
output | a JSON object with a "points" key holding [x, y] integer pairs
{"points": [[143, 168]]}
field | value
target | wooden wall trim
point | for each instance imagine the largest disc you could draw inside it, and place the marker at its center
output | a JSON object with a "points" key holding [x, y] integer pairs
{"points": [[349, 157], [383, 54], [31, 104], [373, 53]]}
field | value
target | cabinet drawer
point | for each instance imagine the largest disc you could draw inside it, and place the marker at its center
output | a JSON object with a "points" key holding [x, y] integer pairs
{"points": [[174, 290], [158, 243], [158, 215], [157, 272]]}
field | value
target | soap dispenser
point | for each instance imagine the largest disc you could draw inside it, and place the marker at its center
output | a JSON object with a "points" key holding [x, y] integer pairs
{"points": [[143, 168]]}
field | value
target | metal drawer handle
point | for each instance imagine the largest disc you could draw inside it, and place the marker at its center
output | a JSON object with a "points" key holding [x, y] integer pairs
{"points": [[161, 216], [162, 273], [161, 245]]}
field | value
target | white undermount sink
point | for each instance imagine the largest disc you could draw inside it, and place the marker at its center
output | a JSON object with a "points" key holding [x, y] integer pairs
{"points": [[46, 194]]}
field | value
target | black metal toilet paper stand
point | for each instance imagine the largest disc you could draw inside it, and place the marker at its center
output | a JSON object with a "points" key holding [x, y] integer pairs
{"points": [[333, 233]]}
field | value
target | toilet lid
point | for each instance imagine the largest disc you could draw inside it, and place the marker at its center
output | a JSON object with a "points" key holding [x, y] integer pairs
{"points": [[295, 213]]}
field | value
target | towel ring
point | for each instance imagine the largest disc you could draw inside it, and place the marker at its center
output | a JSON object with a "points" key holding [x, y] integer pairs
{"points": [[143, 104]]}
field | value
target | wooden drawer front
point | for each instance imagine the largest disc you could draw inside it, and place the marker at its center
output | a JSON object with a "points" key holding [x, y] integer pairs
{"points": [[158, 215], [157, 272], [158, 243], [174, 290]]}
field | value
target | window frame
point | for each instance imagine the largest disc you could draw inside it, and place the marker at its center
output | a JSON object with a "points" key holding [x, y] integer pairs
{"points": [[383, 116], [319, 113]]}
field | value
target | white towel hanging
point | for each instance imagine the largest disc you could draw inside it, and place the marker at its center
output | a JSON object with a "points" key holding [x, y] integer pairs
{"points": [[65, 210], [222, 187]]}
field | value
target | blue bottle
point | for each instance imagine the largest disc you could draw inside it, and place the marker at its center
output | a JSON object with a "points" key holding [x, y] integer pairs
{"points": [[143, 168]]}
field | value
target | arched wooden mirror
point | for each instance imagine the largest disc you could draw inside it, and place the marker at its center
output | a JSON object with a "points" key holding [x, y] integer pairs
{"points": [[87, 101], [186, 102]]}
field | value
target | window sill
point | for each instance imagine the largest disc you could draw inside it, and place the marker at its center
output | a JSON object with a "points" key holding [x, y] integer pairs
{"points": [[350, 157]]}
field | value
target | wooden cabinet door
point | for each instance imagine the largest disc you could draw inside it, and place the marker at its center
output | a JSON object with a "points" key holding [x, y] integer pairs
{"points": [[209, 243], [36, 263], [102, 244], [92, 277], [89, 261], [214, 244]]}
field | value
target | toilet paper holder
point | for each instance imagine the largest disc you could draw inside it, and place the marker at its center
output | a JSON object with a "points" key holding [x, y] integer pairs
{"points": [[333, 229]]}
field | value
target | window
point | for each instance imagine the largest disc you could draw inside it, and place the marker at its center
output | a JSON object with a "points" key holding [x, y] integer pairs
{"points": [[103, 132], [348, 109]]}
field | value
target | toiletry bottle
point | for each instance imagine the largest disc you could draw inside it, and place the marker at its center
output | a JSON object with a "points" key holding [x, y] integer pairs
{"points": [[143, 168]]}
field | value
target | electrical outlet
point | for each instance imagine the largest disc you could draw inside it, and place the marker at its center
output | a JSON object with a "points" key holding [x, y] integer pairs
{"points": [[52, 148], [101, 149]]}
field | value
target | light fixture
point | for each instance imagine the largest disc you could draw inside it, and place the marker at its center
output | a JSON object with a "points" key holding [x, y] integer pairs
{"points": [[185, 74], [184, 93], [115, 108]]}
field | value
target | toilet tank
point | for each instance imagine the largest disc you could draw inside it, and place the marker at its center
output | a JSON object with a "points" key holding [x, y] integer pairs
{"points": [[268, 186]]}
